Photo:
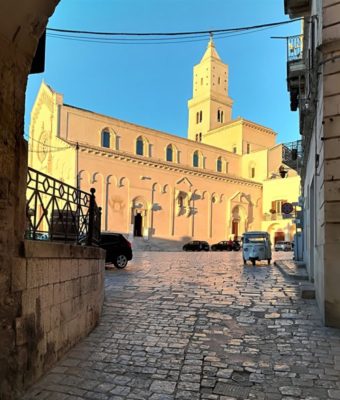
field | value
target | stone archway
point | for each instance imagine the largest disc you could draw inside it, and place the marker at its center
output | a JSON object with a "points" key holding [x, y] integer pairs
{"points": [[238, 221]]}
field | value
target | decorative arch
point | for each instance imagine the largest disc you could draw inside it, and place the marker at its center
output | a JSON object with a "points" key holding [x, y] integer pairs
{"points": [[123, 182], [84, 180], [165, 188], [241, 213], [111, 179], [156, 187]]}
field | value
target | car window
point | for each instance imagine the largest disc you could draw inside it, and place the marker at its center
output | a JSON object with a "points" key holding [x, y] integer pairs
{"points": [[109, 239]]}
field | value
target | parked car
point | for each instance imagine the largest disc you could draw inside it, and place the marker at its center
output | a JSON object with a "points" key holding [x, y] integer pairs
{"points": [[226, 245], [283, 246], [118, 249], [196, 245]]}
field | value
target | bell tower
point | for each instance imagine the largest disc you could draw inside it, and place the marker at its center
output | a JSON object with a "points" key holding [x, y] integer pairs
{"points": [[210, 106]]}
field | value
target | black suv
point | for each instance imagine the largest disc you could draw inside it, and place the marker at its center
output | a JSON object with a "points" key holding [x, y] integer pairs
{"points": [[196, 245], [118, 249]]}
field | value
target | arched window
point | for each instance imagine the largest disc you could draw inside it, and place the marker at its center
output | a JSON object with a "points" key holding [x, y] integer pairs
{"points": [[200, 136], [169, 153], [218, 115], [140, 146], [201, 116], [105, 138], [195, 159], [252, 172], [219, 164], [197, 117]]}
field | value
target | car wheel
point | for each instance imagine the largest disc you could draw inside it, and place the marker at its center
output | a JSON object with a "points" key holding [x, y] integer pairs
{"points": [[120, 261]]}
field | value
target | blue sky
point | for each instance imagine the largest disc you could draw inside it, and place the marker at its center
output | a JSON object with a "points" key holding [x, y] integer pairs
{"points": [[150, 84]]}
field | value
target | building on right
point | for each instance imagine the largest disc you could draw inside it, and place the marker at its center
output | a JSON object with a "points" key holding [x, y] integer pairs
{"points": [[313, 79]]}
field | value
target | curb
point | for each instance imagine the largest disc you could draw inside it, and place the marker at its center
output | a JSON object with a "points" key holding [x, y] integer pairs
{"points": [[289, 272]]}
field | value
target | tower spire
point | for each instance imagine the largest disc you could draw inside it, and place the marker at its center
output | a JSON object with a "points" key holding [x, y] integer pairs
{"points": [[210, 106]]}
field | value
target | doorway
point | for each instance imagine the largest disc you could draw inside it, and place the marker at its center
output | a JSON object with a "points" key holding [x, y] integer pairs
{"points": [[138, 223], [234, 228], [279, 237]]}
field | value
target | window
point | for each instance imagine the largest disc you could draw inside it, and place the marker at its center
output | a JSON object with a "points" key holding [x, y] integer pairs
{"points": [[219, 164], [196, 137], [201, 116], [248, 148], [180, 201], [226, 167], [276, 206], [234, 149], [106, 139], [140, 146], [169, 153], [197, 117], [195, 159], [200, 136], [219, 80], [218, 115], [222, 116], [252, 172]]}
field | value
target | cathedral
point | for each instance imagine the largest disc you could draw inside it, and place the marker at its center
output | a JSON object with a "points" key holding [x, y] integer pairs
{"points": [[221, 181]]}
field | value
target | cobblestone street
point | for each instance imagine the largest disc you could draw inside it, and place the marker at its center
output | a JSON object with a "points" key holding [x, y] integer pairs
{"points": [[200, 326]]}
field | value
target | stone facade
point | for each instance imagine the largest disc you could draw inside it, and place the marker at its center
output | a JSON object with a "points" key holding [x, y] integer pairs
{"points": [[320, 122], [162, 187], [61, 288]]}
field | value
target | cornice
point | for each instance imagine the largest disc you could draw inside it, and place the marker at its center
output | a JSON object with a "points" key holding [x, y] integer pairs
{"points": [[159, 164]]}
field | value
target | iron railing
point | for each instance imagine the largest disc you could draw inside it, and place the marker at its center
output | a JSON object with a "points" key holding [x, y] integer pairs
{"points": [[59, 212], [292, 155]]}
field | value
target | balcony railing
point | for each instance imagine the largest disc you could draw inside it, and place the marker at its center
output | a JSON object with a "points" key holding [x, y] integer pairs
{"points": [[57, 211], [292, 154]]}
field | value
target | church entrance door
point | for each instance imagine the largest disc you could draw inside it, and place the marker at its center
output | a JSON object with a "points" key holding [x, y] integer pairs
{"points": [[234, 228], [138, 223]]}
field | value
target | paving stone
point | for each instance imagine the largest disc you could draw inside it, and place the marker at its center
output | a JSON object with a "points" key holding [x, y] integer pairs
{"points": [[163, 387], [200, 326]]}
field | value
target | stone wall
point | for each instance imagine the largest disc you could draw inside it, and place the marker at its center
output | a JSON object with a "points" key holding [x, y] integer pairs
{"points": [[21, 25], [61, 291]]}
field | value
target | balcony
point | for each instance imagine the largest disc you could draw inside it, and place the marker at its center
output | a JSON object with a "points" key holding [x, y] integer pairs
{"points": [[292, 155], [296, 69], [297, 8]]}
